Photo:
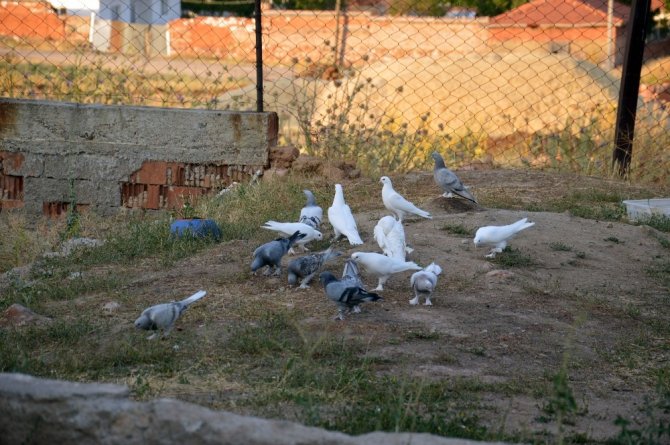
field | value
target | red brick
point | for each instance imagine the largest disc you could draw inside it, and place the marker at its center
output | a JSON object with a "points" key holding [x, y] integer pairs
{"points": [[11, 204], [152, 172], [153, 197]]}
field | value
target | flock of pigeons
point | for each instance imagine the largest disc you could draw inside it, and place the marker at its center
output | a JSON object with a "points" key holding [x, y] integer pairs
{"points": [[348, 291]]}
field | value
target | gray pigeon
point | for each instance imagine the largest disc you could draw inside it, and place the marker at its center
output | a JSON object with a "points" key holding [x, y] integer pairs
{"points": [[448, 180], [311, 214], [307, 266], [270, 254], [162, 316], [345, 296], [423, 283], [351, 275]]}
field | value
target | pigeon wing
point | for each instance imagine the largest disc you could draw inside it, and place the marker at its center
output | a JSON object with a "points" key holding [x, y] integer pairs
{"points": [[343, 221]]}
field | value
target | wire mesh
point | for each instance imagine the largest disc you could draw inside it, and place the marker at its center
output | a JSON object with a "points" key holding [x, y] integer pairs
{"points": [[384, 83]]}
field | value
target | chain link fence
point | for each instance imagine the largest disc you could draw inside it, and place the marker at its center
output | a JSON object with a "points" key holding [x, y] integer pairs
{"points": [[384, 83]]}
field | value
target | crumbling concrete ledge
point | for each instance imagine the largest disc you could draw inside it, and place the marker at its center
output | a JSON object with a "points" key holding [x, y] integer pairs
{"points": [[42, 411], [106, 157]]}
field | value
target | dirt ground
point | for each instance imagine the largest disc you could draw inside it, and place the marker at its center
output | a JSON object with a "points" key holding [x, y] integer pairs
{"points": [[583, 300], [586, 302]]}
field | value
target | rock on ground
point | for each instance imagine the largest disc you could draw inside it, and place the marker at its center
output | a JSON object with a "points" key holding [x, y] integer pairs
{"points": [[36, 410]]}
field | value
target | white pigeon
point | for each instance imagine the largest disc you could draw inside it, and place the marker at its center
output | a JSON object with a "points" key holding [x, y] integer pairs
{"points": [[342, 220], [397, 204], [287, 229], [311, 214], [390, 236], [382, 266], [448, 180], [423, 283], [497, 236], [161, 317]]}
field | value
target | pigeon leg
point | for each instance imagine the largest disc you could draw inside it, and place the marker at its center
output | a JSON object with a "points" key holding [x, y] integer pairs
{"points": [[340, 315], [448, 195], [428, 303], [152, 336], [356, 309], [497, 249], [414, 301], [382, 281], [277, 271], [304, 283], [167, 330]]}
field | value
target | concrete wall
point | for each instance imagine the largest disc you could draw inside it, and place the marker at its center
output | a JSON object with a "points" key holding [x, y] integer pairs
{"points": [[109, 157]]}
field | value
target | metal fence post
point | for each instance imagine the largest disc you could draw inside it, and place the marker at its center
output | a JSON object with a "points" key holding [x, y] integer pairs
{"points": [[259, 56], [624, 129]]}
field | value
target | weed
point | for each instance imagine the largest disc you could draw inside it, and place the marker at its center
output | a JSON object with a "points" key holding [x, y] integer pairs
{"points": [[613, 239], [561, 404], [653, 427], [581, 255], [421, 334], [560, 247], [663, 241], [658, 222], [513, 258], [458, 229], [660, 271], [72, 220]]}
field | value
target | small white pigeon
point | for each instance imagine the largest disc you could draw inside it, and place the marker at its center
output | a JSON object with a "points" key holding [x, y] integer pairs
{"points": [[390, 236], [423, 283], [398, 205], [342, 220], [382, 266], [311, 214], [161, 317], [448, 180], [497, 236], [289, 228]]}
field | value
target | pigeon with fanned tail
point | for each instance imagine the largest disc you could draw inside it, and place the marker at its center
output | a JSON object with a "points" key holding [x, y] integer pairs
{"points": [[423, 283], [343, 294], [448, 180], [307, 266], [351, 277], [288, 228], [271, 253], [397, 204], [382, 266], [311, 214], [497, 236], [342, 220], [162, 317], [390, 235]]}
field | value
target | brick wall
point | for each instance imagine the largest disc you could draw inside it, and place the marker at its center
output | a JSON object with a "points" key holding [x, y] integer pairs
{"points": [[296, 34], [301, 34], [31, 20]]}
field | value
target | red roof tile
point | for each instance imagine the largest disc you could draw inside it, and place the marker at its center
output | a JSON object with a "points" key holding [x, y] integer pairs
{"points": [[563, 12]]}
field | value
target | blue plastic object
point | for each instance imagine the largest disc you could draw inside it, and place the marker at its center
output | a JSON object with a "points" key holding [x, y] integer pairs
{"points": [[198, 228]]}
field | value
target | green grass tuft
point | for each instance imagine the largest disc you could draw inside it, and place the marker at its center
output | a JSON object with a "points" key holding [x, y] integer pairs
{"points": [[513, 258], [458, 229], [560, 247]]}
